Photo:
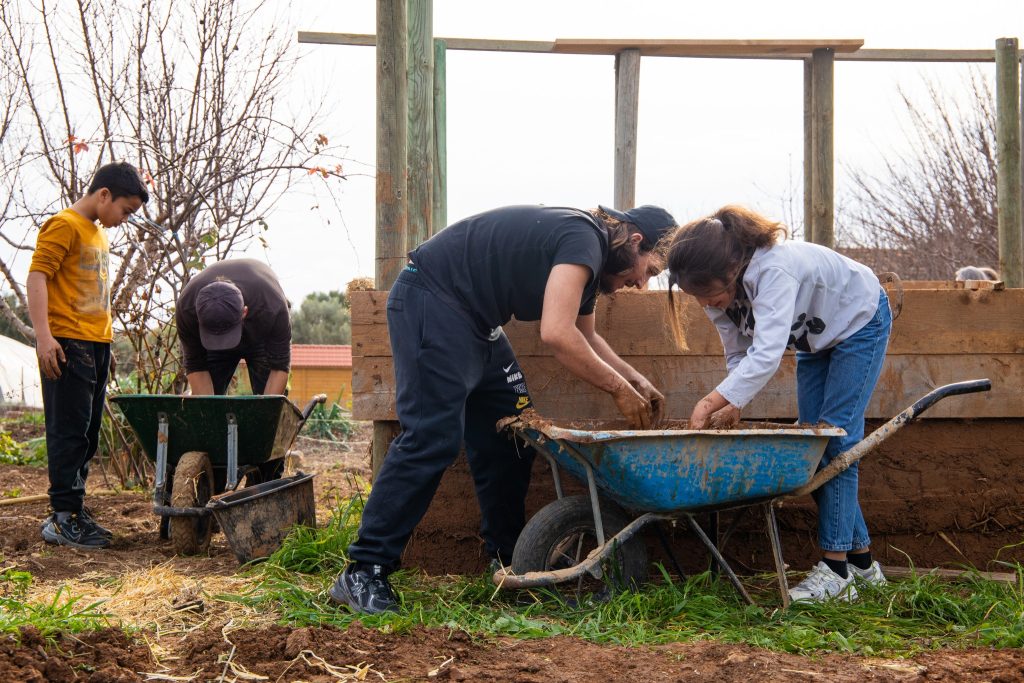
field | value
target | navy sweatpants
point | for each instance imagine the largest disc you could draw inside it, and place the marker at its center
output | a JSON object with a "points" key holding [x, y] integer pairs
{"points": [[453, 385]]}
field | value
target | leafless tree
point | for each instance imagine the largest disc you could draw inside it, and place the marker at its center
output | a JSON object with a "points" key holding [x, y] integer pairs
{"points": [[190, 91], [934, 211]]}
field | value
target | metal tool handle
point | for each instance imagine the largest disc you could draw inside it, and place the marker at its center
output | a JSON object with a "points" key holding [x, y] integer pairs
{"points": [[308, 410], [843, 461]]}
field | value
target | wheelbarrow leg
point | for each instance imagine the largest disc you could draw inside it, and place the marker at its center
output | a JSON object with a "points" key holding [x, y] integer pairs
{"points": [[160, 476], [232, 473], [780, 566], [160, 485], [714, 522], [719, 559]]}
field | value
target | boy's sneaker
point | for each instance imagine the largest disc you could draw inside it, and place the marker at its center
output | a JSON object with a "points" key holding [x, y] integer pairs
{"points": [[872, 575], [823, 584], [86, 519], [364, 588], [66, 528]]}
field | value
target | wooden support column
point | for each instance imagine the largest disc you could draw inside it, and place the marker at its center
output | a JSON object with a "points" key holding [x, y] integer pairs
{"points": [[627, 108], [440, 194], [808, 155], [1008, 157], [822, 107], [392, 168], [421, 121]]}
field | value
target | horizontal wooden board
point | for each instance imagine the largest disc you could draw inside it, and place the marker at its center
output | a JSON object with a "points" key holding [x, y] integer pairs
{"points": [[502, 45], [561, 395], [701, 47], [940, 322]]}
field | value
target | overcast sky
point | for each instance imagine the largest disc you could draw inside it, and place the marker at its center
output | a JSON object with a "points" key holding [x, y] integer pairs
{"points": [[538, 128]]}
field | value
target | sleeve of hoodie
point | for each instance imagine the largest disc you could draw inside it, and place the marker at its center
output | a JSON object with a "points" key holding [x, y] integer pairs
{"points": [[774, 304]]}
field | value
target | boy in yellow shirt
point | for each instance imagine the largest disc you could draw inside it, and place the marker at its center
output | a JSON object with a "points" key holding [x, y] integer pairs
{"points": [[69, 305]]}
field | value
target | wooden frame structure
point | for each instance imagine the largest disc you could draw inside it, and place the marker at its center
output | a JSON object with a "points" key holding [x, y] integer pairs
{"points": [[428, 182], [411, 141]]}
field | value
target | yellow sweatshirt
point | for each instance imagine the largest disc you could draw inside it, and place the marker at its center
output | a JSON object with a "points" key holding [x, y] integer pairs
{"points": [[74, 254]]}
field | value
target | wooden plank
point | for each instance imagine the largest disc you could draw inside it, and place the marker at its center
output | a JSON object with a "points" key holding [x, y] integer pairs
{"points": [[911, 572], [440, 193], [911, 55], [420, 122], [548, 46], [477, 44], [1008, 157], [392, 142], [943, 322], [822, 124], [560, 395], [707, 48], [627, 107]]}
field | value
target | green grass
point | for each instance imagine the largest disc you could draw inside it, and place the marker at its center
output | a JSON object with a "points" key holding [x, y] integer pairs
{"points": [[31, 452], [62, 614], [896, 620], [899, 619]]}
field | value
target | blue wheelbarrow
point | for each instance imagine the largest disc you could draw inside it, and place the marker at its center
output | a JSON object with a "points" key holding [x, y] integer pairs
{"points": [[665, 475]]}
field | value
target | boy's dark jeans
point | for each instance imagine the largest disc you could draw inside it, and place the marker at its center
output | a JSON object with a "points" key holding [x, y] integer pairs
{"points": [[222, 366], [73, 407]]}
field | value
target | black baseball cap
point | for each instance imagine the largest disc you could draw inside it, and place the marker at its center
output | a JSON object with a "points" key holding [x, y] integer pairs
{"points": [[219, 308], [653, 222]]}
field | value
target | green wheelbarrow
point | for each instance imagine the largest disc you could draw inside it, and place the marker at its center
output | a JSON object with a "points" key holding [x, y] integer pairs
{"points": [[204, 445]]}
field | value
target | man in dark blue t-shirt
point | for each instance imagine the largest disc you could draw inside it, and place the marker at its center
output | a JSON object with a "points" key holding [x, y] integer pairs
{"points": [[456, 374]]}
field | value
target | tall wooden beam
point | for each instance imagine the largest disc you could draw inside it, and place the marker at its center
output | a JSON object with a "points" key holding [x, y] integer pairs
{"points": [[392, 141], [627, 108], [808, 154], [822, 107], [440, 194], [392, 169], [421, 120], [1008, 157]]}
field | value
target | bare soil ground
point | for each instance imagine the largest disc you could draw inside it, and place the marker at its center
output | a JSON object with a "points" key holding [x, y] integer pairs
{"points": [[211, 646]]}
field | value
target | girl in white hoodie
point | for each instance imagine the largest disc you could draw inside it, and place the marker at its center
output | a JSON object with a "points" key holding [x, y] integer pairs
{"points": [[766, 294]]}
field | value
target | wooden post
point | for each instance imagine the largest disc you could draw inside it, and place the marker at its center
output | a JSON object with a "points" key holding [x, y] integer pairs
{"points": [[627, 107], [421, 121], [392, 142], [1008, 157], [440, 194], [822, 200], [392, 168], [808, 156]]}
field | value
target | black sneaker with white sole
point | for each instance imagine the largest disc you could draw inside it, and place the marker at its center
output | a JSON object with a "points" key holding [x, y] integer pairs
{"points": [[364, 588], [86, 519], [66, 528]]}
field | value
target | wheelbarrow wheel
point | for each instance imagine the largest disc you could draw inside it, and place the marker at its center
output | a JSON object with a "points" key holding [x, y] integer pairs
{"points": [[562, 535], [192, 487]]}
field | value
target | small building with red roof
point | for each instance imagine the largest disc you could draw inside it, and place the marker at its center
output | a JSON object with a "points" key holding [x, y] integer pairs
{"points": [[317, 369]]}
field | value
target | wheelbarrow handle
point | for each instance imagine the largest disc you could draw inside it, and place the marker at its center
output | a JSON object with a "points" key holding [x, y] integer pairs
{"points": [[936, 395], [308, 410], [843, 461]]}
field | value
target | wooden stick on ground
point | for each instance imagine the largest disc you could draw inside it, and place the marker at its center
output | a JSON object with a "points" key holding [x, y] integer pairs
{"points": [[43, 496], [907, 572]]}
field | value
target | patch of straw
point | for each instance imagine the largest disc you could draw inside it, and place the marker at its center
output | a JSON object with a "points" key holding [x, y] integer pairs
{"points": [[160, 597]]}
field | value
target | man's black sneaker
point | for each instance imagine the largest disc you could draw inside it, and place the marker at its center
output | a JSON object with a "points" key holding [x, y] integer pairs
{"points": [[364, 588], [86, 520], [66, 528]]}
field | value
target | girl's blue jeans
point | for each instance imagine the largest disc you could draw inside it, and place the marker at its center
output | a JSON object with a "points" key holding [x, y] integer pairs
{"points": [[834, 386]]}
